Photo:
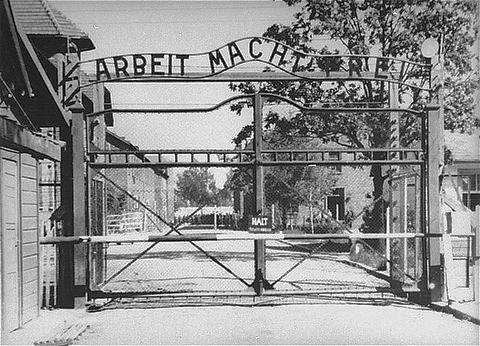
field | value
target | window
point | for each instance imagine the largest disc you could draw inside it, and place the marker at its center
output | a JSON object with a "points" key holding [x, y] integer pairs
{"points": [[336, 203], [335, 156], [471, 190]]}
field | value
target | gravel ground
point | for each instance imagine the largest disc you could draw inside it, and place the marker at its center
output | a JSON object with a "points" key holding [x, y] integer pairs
{"points": [[179, 266], [293, 324], [173, 267]]}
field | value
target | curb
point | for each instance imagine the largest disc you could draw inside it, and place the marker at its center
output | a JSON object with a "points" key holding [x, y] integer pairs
{"points": [[368, 269], [455, 312]]}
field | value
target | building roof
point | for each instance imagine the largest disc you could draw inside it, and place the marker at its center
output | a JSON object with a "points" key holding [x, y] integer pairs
{"points": [[464, 147], [33, 98], [123, 144], [39, 18]]}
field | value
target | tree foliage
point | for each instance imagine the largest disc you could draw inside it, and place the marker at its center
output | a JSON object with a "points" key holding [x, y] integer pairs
{"points": [[393, 28], [196, 187], [372, 27]]}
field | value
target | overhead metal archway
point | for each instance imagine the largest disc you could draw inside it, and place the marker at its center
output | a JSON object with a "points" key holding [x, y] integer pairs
{"points": [[288, 65]]}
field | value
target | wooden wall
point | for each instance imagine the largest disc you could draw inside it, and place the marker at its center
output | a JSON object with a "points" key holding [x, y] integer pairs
{"points": [[22, 211], [29, 236]]}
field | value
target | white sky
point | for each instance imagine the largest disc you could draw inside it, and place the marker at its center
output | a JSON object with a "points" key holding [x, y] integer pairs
{"points": [[130, 27], [127, 27]]}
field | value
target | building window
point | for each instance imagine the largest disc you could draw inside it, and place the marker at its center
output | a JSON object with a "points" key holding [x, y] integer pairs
{"points": [[336, 203], [471, 190], [335, 156]]}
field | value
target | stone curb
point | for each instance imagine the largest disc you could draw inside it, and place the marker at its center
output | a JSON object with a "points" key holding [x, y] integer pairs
{"points": [[455, 312], [368, 269]]}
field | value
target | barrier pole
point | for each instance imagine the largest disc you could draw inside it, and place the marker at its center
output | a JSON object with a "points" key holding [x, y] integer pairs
{"points": [[259, 245]]}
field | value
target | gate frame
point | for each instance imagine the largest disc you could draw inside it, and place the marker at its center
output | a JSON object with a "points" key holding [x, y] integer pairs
{"points": [[431, 134]]}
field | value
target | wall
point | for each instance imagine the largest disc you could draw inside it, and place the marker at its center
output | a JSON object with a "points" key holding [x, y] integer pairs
{"points": [[19, 174]]}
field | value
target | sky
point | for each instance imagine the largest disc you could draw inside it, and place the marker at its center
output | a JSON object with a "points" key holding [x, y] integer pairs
{"points": [[128, 27], [131, 27]]}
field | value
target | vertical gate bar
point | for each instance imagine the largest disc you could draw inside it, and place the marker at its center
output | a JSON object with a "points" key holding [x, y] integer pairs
{"points": [[396, 198], [259, 245], [467, 269], [78, 201], [423, 210], [88, 209], [65, 253], [433, 190]]}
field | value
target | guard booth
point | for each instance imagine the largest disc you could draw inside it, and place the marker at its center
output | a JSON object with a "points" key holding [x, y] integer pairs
{"points": [[390, 190]]}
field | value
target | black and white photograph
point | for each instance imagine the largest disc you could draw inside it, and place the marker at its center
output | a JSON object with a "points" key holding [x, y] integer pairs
{"points": [[239, 172]]}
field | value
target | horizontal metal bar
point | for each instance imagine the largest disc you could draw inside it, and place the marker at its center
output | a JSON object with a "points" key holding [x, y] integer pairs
{"points": [[470, 235], [252, 163], [95, 294], [168, 164], [340, 109], [342, 150], [171, 152], [341, 163], [331, 76], [333, 291], [172, 110], [240, 235]]}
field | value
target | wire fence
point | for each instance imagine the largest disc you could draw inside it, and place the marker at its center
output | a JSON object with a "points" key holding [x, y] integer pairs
{"points": [[307, 200]]}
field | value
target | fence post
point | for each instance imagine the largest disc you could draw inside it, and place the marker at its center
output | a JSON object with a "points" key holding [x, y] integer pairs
{"points": [[475, 255], [388, 242], [215, 217]]}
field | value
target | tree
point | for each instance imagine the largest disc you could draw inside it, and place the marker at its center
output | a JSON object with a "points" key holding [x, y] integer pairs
{"points": [[395, 28], [290, 187], [195, 187], [286, 187]]}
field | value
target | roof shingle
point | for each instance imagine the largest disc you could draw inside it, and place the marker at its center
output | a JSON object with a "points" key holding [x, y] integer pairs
{"points": [[464, 147], [38, 17]]}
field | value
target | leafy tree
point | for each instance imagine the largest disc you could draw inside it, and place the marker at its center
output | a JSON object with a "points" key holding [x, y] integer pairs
{"points": [[396, 29], [286, 187], [223, 197], [195, 187], [290, 187]]}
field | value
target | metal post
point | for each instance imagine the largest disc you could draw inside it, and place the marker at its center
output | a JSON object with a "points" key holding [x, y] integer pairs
{"points": [[65, 252], [433, 193], [259, 246], [79, 219], [397, 201], [475, 256], [423, 284]]}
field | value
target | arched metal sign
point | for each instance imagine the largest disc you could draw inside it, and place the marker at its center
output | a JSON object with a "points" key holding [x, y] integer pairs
{"points": [[268, 59]]}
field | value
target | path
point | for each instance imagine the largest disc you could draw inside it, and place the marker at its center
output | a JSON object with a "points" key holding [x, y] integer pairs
{"points": [[294, 324]]}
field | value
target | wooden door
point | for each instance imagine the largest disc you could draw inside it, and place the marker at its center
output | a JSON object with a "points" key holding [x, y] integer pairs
{"points": [[10, 250]]}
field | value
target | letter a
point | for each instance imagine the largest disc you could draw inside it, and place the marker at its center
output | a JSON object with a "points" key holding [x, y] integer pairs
{"points": [[102, 69]]}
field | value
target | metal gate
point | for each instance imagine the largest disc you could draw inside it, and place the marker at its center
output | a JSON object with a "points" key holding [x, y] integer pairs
{"points": [[317, 243], [345, 218]]}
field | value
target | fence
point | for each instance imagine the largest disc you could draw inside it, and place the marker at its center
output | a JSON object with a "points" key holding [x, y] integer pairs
{"points": [[222, 264], [125, 223], [48, 266], [461, 246]]}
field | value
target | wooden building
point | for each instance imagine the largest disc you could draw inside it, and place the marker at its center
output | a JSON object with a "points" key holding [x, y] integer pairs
{"points": [[26, 100]]}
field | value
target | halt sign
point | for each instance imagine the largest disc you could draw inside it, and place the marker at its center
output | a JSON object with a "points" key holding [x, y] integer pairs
{"points": [[260, 223]]}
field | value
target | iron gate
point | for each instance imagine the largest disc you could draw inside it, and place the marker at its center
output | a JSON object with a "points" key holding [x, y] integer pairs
{"points": [[332, 207], [325, 234]]}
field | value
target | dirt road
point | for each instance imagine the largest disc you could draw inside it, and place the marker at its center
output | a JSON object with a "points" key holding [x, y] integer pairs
{"points": [[294, 324]]}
